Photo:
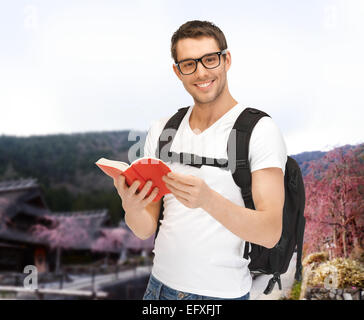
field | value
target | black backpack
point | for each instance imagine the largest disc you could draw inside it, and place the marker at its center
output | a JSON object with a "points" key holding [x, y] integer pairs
{"points": [[274, 261]]}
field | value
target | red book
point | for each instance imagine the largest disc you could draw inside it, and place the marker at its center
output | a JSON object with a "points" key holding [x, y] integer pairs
{"points": [[142, 169]]}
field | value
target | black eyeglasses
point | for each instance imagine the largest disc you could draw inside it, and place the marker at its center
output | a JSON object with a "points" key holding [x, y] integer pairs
{"points": [[209, 61]]}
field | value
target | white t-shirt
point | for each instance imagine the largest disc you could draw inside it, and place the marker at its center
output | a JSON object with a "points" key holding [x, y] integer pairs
{"points": [[194, 252]]}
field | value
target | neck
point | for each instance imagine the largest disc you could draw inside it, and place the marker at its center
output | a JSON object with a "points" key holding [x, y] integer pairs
{"points": [[204, 114]]}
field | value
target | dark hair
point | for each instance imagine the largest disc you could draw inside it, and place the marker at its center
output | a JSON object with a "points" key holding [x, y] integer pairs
{"points": [[197, 29]]}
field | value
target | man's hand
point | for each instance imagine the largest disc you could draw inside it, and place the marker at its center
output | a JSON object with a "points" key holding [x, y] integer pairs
{"points": [[131, 200], [191, 191]]}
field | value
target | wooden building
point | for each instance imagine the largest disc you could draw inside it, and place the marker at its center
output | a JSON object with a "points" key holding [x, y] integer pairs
{"points": [[22, 206]]}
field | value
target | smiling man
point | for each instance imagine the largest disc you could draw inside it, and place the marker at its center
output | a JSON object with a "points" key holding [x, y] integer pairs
{"points": [[200, 244]]}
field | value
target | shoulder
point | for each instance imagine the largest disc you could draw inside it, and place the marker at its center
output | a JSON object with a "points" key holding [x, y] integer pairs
{"points": [[266, 131], [156, 128], [151, 140], [158, 125], [265, 124]]}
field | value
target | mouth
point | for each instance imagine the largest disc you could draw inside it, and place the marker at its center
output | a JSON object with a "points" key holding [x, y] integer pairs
{"points": [[204, 85]]}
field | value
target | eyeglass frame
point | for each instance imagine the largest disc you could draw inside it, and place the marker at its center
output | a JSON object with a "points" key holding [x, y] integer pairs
{"points": [[219, 53]]}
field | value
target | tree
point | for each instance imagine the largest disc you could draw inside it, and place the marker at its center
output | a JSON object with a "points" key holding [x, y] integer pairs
{"points": [[335, 201], [120, 239], [111, 240], [64, 232]]}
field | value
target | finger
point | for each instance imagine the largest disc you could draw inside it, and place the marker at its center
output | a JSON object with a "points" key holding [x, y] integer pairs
{"points": [[151, 197], [179, 185], [134, 186], [183, 201], [180, 190], [178, 193], [145, 190], [119, 183], [186, 179]]}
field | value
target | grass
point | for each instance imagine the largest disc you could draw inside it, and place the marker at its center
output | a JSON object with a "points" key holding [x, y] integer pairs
{"points": [[296, 290]]}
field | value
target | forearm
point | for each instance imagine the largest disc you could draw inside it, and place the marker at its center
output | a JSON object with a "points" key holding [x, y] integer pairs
{"points": [[141, 223], [254, 226]]}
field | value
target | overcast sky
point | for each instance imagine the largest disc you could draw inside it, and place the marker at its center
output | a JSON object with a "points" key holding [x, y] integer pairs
{"points": [[77, 66]]}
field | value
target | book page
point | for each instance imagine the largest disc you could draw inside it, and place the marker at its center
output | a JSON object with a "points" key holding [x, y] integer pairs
{"points": [[113, 163]]}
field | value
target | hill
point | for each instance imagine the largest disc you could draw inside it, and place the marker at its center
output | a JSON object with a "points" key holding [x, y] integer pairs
{"points": [[64, 165]]}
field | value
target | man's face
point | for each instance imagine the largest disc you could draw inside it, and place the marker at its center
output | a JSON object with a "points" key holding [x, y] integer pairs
{"points": [[215, 78]]}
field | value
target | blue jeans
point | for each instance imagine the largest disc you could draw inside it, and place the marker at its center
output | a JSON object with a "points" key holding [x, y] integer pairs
{"points": [[156, 290]]}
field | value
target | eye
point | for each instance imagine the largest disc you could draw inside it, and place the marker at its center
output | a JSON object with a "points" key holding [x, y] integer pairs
{"points": [[188, 64], [210, 59]]}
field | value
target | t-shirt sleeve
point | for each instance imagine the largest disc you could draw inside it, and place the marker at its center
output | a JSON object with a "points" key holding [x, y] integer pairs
{"points": [[267, 147], [153, 134]]}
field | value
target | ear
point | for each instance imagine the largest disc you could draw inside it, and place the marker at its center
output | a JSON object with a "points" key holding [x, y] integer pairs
{"points": [[227, 60], [176, 71]]}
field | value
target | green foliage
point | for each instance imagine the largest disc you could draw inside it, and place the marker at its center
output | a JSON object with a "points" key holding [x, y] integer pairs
{"points": [[60, 199], [64, 166], [60, 156], [296, 290]]}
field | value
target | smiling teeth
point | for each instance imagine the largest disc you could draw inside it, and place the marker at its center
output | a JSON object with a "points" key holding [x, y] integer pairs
{"points": [[203, 85]]}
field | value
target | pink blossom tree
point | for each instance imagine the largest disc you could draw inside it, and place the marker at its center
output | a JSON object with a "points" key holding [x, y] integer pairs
{"points": [[64, 233], [120, 239], [335, 202], [110, 240], [135, 243]]}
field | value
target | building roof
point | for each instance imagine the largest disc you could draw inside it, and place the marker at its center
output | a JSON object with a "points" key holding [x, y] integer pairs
{"points": [[16, 185], [96, 218], [20, 236], [25, 197], [87, 214]]}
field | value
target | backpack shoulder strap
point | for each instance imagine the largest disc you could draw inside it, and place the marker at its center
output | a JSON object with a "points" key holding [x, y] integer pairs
{"points": [[238, 156], [171, 126], [173, 123]]}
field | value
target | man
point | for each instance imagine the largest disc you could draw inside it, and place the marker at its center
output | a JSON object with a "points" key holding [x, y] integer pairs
{"points": [[199, 248]]}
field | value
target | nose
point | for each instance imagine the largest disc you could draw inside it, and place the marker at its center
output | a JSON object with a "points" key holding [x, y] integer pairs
{"points": [[201, 71]]}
